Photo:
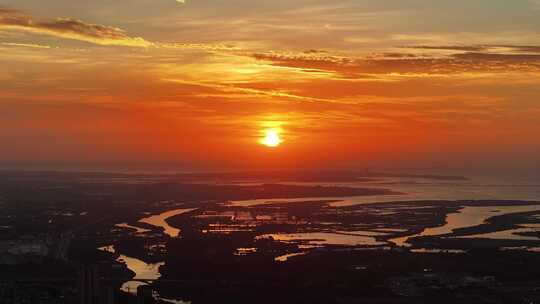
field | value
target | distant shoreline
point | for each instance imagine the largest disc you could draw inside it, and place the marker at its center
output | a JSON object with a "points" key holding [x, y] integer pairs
{"points": [[273, 176]]}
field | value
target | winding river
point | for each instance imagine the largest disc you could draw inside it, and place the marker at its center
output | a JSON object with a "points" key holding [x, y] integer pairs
{"points": [[160, 220]]}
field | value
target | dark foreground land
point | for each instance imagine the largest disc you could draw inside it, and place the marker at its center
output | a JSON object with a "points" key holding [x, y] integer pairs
{"points": [[61, 242]]}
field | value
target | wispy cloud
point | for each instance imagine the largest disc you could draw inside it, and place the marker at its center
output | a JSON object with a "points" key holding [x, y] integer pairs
{"points": [[453, 60], [198, 46], [493, 49], [28, 45], [70, 29]]}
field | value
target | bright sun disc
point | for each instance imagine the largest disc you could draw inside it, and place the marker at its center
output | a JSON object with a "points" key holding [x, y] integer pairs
{"points": [[271, 139]]}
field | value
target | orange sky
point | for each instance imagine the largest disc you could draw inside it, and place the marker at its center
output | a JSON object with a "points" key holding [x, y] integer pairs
{"points": [[194, 85]]}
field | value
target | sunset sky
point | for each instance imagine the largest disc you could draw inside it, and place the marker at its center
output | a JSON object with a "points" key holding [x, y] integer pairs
{"points": [[198, 84]]}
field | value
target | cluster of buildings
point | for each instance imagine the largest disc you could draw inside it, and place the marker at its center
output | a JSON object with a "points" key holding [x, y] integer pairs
{"points": [[34, 249], [36, 293], [424, 284]]}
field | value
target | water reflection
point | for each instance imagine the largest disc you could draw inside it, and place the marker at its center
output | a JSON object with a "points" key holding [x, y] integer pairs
{"points": [[285, 257], [512, 234], [245, 251], [160, 220], [468, 217], [325, 238], [137, 229], [174, 301], [142, 270], [429, 250], [421, 189]]}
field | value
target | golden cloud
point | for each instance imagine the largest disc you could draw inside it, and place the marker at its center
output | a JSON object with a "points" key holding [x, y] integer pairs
{"points": [[70, 29]]}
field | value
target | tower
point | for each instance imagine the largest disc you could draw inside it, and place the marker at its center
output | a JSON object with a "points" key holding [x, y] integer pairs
{"points": [[89, 284]]}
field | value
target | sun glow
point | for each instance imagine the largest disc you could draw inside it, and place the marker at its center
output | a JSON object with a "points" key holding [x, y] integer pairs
{"points": [[271, 139]]}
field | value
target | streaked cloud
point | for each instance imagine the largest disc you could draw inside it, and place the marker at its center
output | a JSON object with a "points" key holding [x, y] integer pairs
{"points": [[453, 60], [70, 29], [507, 48], [354, 78], [198, 46], [28, 45]]}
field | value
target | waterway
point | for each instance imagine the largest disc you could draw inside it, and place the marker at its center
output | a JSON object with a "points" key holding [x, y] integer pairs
{"points": [[470, 217], [160, 220], [416, 189]]}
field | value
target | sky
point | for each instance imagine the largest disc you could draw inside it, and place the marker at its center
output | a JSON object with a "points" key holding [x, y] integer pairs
{"points": [[196, 84]]}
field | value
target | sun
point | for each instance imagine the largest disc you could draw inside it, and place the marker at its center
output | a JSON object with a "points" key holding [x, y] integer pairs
{"points": [[271, 139]]}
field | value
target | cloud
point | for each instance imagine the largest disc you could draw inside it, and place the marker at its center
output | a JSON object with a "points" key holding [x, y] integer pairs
{"points": [[70, 29], [28, 45], [467, 48], [462, 60], [501, 58], [198, 46], [481, 48], [524, 48]]}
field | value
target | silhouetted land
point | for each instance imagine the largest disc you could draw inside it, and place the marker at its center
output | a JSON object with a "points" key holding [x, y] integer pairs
{"points": [[235, 254]]}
